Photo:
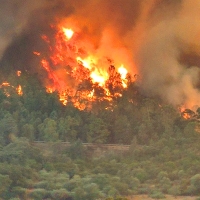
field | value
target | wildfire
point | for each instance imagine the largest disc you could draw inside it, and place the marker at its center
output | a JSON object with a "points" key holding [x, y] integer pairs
{"points": [[5, 84], [123, 72], [97, 75], [36, 53], [49, 90], [187, 113], [63, 98], [19, 73], [68, 32], [19, 90], [8, 88], [77, 72], [98, 78], [87, 62]]}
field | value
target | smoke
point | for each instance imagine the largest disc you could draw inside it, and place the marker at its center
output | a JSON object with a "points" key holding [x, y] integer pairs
{"points": [[168, 56], [158, 39], [14, 15]]}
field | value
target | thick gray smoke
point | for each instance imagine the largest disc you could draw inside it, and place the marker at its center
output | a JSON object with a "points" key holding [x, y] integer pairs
{"points": [[158, 39], [14, 15]]}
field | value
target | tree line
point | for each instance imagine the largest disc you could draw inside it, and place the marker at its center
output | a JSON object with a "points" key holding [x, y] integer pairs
{"points": [[163, 156]]}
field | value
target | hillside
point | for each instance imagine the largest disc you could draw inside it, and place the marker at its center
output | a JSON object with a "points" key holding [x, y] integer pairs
{"points": [[163, 157], [99, 100]]}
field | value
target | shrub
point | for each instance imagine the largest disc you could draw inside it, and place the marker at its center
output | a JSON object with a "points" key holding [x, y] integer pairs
{"points": [[174, 190], [165, 184], [161, 175], [5, 183], [110, 191], [38, 194], [92, 191], [194, 187], [78, 193], [20, 192], [102, 180], [157, 195], [60, 194], [121, 187], [134, 183], [143, 189], [141, 175], [41, 184]]}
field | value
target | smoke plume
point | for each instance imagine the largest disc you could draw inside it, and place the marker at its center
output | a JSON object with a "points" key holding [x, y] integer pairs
{"points": [[158, 39], [14, 15], [168, 56]]}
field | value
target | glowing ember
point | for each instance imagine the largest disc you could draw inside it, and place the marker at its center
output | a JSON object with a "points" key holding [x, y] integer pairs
{"points": [[187, 113], [19, 90], [91, 94], [19, 73], [36, 53], [63, 98], [49, 90], [5, 84], [186, 116], [45, 64], [6, 88]]}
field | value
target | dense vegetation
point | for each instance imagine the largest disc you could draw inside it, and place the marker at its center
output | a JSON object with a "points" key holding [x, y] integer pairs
{"points": [[163, 157]]}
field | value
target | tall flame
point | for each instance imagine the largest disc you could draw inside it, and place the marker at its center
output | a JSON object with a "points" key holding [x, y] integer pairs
{"points": [[123, 72], [72, 60]]}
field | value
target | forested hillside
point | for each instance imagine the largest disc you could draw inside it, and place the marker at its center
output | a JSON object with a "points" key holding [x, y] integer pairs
{"points": [[40, 116], [163, 157], [105, 73]]}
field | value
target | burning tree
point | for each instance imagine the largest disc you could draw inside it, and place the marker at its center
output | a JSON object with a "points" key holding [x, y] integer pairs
{"points": [[77, 73]]}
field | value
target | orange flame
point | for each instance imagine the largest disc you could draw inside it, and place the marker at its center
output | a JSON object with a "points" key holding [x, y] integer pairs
{"points": [[74, 60], [98, 78], [187, 113], [19, 73], [186, 116], [5, 84], [36, 53], [19, 90], [123, 72], [63, 98]]}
